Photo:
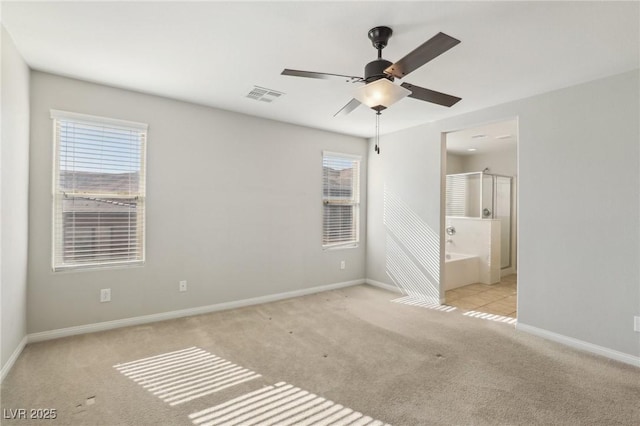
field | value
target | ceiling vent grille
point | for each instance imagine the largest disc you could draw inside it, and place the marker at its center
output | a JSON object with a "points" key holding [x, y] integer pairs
{"points": [[263, 94]]}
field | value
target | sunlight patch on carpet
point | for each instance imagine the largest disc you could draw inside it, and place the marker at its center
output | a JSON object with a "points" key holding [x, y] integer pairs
{"points": [[281, 405], [413, 301], [491, 317], [184, 375]]}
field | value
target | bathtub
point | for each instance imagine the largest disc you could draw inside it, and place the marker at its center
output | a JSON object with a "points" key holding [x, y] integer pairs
{"points": [[460, 270]]}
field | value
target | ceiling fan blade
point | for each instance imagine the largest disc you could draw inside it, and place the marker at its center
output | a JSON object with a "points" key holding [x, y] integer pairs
{"points": [[429, 50], [321, 75], [350, 106], [432, 96]]}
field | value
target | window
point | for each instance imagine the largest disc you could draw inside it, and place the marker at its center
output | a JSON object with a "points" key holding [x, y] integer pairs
{"points": [[98, 191], [341, 199], [457, 188]]}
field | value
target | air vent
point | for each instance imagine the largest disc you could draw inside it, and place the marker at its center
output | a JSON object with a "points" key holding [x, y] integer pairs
{"points": [[263, 94]]}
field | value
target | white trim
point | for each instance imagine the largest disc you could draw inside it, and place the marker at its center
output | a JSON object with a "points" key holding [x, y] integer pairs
{"points": [[342, 154], [341, 246], [383, 286], [66, 115], [12, 359], [580, 344], [125, 322]]}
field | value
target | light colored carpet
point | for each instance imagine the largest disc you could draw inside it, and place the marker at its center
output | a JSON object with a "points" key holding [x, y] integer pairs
{"points": [[367, 359]]}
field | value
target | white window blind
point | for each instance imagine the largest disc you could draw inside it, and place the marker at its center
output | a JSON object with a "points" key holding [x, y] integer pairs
{"points": [[341, 199], [464, 194], [98, 191], [456, 195]]}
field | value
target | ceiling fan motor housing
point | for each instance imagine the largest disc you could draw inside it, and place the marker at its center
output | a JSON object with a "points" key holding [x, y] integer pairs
{"points": [[374, 70]]}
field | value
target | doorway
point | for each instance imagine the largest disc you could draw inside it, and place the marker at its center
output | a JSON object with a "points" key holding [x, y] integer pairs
{"points": [[480, 218]]}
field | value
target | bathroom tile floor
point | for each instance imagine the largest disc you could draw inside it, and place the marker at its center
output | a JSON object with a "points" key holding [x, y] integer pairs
{"points": [[497, 299]]}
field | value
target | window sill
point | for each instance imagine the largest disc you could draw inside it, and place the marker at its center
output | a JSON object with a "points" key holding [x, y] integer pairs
{"points": [[93, 268], [330, 248]]}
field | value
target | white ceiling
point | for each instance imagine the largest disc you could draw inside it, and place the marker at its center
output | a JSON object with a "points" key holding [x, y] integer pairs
{"points": [[213, 53], [491, 137]]}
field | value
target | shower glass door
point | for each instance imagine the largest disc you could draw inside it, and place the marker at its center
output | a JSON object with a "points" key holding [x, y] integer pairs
{"points": [[502, 211]]}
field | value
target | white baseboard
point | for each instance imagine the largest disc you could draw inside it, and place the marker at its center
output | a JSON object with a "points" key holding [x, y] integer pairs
{"points": [[580, 344], [12, 359], [383, 285], [125, 322]]}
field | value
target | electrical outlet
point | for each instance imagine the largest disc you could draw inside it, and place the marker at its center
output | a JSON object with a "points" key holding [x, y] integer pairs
{"points": [[105, 295], [636, 324], [343, 264], [183, 286]]}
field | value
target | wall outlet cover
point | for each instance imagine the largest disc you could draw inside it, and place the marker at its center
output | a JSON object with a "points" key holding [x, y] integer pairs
{"points": [[183, 286], [636, 324], [105, 295]]}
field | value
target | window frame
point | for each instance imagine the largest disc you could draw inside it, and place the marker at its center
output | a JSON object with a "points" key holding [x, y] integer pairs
{"points": [[57, 234], [354, 202]]}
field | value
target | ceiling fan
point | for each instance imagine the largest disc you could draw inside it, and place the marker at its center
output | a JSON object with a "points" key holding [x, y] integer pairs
{"points": [[378, 92]]}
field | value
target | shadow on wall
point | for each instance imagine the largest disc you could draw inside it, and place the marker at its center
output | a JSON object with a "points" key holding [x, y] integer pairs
{"points": [[413, 251]]}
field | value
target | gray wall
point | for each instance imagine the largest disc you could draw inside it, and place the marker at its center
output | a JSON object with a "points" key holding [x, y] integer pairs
{"points": [[502, 162], [233, 207], [403, 212], [455, 163], [579, 217], [13, 198]]}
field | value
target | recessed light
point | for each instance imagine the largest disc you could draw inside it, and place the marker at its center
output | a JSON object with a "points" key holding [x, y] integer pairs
{"points": [[478, 136], [472, 149], [503, 137]]}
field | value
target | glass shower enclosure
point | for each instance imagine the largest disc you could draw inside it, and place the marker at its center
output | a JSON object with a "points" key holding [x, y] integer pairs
{"points": [[486, 196]]}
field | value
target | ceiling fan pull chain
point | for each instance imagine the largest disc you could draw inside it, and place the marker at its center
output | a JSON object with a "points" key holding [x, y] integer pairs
{"points": [[377, 149], [377, 135]]}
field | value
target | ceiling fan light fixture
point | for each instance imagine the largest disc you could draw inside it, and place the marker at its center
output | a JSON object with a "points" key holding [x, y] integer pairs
{"points": [[380, 93]]}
